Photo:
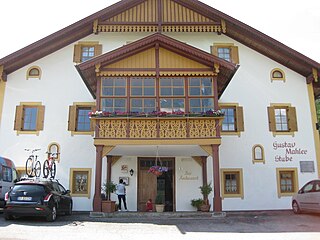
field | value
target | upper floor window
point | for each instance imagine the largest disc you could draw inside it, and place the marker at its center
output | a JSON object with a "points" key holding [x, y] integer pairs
{"points": [[233, 118], [282, 118], [114, 86], [114, 104], [34, 72], [29, 118], [144, 105], [199, 105], [258, 153], [171, 86], [79, 121], [172, 104], [143, 86], [84, 51], [226, 51], [278, 74], [200, 87]]}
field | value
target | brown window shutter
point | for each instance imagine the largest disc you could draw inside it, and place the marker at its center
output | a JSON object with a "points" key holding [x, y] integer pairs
{"points": [[91, 121], [18, 118], [97, 50], [240, 121], [272, 119], [214, 50], [77, 53], [235, 54], [72, 118], [40, 118], [292, 119]]}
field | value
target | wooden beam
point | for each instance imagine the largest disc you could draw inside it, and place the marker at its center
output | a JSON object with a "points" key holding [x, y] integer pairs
{"points": [[207, 149], [106, 150]]}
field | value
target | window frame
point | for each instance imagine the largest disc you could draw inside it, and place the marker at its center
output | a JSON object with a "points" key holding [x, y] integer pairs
{"points": [[254, 157], [77, 51], [238, 118], [273, 77], [20, 115], [85, 171], [240, 186], [73, 118], [234, 51], [30, 75], [295, 188]]}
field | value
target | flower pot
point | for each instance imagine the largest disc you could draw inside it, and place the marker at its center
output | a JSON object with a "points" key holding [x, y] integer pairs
{"points": [[159, 207], [108, 206], [205, 207]]}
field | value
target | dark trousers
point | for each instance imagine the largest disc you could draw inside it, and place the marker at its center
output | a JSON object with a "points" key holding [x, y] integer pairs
{"points": [[123, 197]]}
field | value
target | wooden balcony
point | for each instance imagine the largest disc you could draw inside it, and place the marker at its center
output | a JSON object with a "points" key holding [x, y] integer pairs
{"points": [[157, 130]]}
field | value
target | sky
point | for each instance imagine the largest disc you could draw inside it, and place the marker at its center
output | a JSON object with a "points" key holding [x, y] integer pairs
{"points": [[295, 23]]}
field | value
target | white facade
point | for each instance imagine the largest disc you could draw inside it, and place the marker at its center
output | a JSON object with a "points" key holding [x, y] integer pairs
{"points": [[60, 86]]}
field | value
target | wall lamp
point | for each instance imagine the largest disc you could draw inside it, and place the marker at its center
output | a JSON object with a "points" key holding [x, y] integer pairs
{"points": [[131, 172]]}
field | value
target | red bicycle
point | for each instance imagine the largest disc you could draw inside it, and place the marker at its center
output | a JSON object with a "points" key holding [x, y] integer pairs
{"points": [[49, 166]]}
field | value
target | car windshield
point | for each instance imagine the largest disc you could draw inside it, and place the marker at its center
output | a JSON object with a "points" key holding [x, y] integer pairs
{"points": [[32, 188]]}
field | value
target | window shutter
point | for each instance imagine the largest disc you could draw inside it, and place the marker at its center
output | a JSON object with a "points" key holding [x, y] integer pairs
{"points": [[40, 118], [235, 54], [292, 119], [18, 118], [92, 121], [97, 50], [77, 53], [272, 120], [72, 118], [239, 119], [214, 50]]}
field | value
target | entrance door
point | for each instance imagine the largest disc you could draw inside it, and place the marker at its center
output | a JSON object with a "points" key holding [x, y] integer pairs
{"points": [[149, 184]]}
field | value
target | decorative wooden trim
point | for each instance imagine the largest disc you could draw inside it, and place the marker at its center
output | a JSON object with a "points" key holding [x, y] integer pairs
{"points": [[207, 149], [315, 74], [198, 160], [106, 150], [115, 159]]}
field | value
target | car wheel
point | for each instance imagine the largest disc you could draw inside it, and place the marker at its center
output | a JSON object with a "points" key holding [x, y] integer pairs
{"points": [[295, 207], [8, 216], [69, 212], [52, 215]]}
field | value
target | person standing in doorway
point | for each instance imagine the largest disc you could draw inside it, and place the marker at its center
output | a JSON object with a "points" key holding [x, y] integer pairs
{"points": [[121, 192]]}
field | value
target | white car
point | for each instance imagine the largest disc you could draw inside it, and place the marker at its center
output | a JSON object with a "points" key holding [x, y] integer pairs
{"points": [[307, 198]]}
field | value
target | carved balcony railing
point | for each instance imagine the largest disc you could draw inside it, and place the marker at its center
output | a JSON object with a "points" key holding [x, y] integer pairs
{"points": [[157, 127]]}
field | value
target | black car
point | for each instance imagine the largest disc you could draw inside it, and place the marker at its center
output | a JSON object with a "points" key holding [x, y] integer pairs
{"points": [[45, 198]]}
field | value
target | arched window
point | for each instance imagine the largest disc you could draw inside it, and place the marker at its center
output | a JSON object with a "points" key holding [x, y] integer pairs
{"points": [[258, 154], [54, 151], [34, 72], [277, 74]]}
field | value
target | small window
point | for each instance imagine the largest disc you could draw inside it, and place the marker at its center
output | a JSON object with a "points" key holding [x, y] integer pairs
{"points": [[54, 151], [29, 118], [80, 182], [145, 105], [114, 105], [278, 74], [34, 72], [143, 86], [79, 121], [172, 87], [287, 180], [172, 104], [114, 87], [200, 105], [6, 174], [84, 51], [200, 87], [258, 154], [233, 122], [232, 183], [282, 119], [228, 52]]}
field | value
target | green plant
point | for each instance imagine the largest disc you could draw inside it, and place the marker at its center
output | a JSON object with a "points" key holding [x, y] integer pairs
{"points": [[159, 199], [108, 188], [197, 203], [205, 191]]}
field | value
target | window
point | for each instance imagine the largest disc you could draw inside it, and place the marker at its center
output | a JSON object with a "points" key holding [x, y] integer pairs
{"points": [[287, 181], [172, 104], [258, 153], [54, 151], [112, 87], [34, 72], [228, 52], [278, 74], [29, 118], [114, 104], [200, 87], [143, 86], [6, 174], [84, 51], [282, 119], [79, 121], [233, 122], [232, 183], [80, 182], [172, 87], [199, 105], [144, 105]]}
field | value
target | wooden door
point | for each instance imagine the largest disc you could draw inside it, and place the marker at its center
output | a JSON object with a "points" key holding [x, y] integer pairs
{"points": [[147, 186]]}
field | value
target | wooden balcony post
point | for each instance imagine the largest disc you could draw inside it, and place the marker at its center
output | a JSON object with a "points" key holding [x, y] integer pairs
{"points": [[217, 201], [97, 193]]}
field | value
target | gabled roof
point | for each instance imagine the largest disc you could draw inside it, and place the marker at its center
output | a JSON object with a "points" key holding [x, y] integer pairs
{"points": [[210, 63], [234, 29]]}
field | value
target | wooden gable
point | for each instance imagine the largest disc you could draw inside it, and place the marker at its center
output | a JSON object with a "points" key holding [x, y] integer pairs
{"points": [[156, 15]]}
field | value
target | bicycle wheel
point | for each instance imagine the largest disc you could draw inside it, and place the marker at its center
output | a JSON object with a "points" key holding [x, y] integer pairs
{"points": [[37, 169], [53, 170], [29, 167], [46, 169]]}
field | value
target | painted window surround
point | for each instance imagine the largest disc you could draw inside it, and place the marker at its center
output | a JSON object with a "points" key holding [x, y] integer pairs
{"points": [[239, 117], [72, 121], [86, 171], [237, 171], [295, 189]]}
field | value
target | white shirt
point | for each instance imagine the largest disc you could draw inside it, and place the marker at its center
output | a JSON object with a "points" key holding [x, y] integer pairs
{"points": [[121, 189]]}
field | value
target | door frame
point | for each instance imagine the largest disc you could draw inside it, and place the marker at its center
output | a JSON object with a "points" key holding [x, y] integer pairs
{"points": [[173, 159]]}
